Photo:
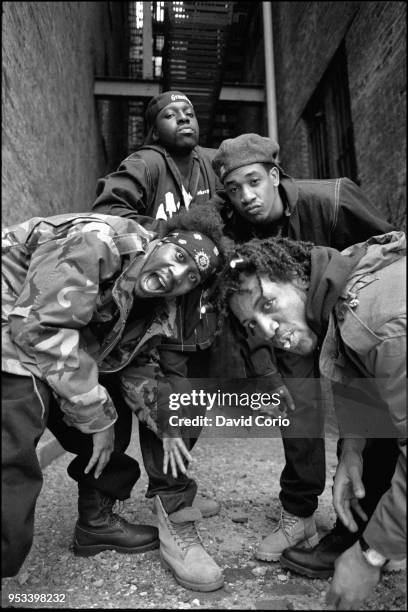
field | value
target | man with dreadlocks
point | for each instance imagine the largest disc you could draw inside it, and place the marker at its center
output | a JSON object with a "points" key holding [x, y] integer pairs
{"points": [[261, 200], [351, 307]]}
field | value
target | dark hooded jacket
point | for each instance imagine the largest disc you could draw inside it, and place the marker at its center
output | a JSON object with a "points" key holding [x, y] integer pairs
{"points": [[148, 185]]}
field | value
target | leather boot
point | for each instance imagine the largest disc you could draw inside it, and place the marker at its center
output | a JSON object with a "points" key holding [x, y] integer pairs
{"points": [[318, 562], [182, 552], [98, 528]]}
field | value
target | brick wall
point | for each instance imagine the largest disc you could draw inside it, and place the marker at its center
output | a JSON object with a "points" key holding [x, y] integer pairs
{"points": [[52, 147], [306, 35]]}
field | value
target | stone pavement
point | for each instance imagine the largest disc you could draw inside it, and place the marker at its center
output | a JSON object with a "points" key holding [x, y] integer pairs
{"points": [[243, 474]]}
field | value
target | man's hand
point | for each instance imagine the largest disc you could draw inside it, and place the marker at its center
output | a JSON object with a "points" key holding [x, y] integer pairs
{"points": [[174, 450], [348, 489], [286, 403], [103, 442], [353, 581]]}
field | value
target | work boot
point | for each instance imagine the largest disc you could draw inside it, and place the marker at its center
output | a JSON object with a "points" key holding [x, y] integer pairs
{"points": [[290, 530], [318, 562], [182, 552], [98, 528], [207, 506]]}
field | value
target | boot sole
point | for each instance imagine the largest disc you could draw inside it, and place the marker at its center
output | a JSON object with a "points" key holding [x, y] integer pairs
{"points": [[94, 549], [273, 557], [303, 571], [194, 586]]}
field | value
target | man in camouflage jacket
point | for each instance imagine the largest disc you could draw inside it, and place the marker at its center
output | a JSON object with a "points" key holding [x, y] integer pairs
{"points": [[84, 296]]}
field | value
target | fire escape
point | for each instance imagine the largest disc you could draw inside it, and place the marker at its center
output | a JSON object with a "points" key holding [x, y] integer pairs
{"points": [[196, 36], [195, 47]]}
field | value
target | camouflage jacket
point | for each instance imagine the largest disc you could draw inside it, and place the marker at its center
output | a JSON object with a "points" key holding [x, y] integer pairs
{"points": [[67, 293]]}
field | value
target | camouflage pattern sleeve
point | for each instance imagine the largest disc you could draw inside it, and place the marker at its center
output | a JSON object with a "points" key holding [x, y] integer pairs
{"points": [[146, 391], [57, 300]]}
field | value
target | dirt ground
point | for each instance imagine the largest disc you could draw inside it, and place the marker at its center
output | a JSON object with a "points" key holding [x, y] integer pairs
{"points": [[243, 474]]}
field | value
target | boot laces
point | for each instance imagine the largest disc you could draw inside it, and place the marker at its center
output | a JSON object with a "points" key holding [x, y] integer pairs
{"points": [[287, 521], [186, 534]]}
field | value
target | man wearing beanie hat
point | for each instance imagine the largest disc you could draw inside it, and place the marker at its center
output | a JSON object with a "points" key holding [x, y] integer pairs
{"points": [[261, 200], [168, 172]]}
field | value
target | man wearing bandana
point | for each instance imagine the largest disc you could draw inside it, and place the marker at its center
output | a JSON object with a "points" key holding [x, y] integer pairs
{"points": [[170, 172], [87, 299]]}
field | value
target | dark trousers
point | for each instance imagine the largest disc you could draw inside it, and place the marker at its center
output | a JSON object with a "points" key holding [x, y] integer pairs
{"points": [[122, 472], [304, 474], [380, 458], [24, 416]]}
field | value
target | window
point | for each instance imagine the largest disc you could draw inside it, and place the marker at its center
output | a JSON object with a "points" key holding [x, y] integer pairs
{"points": [[329, 125]]}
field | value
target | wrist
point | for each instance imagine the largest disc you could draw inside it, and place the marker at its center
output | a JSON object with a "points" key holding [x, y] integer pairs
{"points": [[371, 556], [353, 445]]}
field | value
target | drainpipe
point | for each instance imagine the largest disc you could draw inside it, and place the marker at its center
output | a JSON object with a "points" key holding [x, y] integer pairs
{"points": [[147, 41], [269, 71]]}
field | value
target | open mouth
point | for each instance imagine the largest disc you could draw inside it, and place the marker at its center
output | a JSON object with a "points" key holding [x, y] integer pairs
{"points": [[186, 130], [156, 283], [285, 341]]}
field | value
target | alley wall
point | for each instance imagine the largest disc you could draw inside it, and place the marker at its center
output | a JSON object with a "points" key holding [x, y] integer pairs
{"points": [[52, 148], [306, 36]]}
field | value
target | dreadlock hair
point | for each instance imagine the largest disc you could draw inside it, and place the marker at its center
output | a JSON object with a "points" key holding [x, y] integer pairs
{"points": [[280, 259]]}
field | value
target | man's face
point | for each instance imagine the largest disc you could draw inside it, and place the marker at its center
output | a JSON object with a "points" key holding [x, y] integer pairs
{"points": [[276, 312], [176, 127], [254, 193], [168, 271]]}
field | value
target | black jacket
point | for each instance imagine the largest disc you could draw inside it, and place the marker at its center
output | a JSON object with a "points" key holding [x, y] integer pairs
{"points": [[327, 212]]}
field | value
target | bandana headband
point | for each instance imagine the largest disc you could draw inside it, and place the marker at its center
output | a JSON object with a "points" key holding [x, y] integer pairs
{"points": [[201, 248]]}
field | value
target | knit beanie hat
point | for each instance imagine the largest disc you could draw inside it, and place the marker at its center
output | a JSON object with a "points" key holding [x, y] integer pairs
{"points": [[244, 150], [157, 103], [201, 248]]}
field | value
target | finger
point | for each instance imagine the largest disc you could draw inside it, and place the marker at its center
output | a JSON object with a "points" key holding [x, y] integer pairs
{"points": [[179, 461], [344, 514], [183, 448], [173, 466], [92, 462], [165, 462], [358, 509], [100, 465], [356, 482]]}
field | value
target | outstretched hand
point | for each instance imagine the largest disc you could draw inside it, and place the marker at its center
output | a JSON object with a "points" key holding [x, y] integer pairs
{"points": [[175, 452]]}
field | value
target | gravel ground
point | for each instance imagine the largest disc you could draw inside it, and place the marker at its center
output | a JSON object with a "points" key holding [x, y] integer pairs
{"points": [[247, 484]]}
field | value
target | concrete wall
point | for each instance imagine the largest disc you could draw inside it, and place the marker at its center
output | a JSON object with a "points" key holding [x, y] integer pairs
{"points": [[52, 147], [306, 35]]}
